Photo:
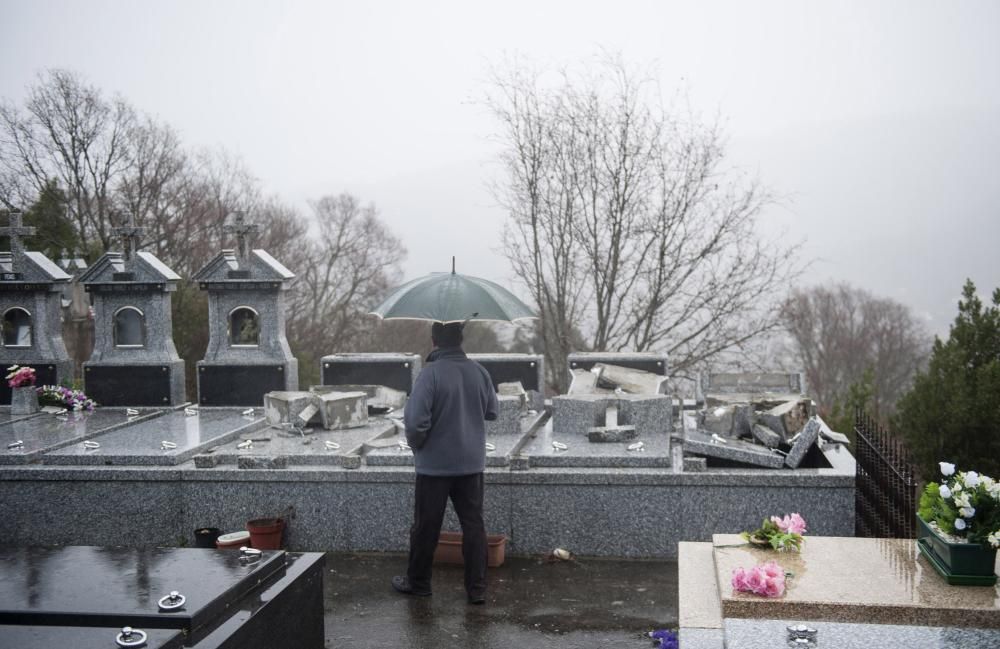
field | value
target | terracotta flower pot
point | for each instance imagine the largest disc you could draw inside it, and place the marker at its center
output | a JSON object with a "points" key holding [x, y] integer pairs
{"points": [[265, 533], [449, 549]]}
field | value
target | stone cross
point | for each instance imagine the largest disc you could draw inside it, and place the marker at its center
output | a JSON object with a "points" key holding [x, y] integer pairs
{"points": [[15, 231], [244, 232], [131, 235]]}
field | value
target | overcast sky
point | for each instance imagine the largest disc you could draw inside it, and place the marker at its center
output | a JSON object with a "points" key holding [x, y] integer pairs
{"points": [[878, 121]]}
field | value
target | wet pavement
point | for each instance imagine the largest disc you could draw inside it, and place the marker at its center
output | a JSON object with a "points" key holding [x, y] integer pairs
{"points": [[531, 604]]}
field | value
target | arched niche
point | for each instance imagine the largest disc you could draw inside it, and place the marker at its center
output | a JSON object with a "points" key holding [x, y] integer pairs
{"points": [[244, 327], [17, 327], [129, 327]]}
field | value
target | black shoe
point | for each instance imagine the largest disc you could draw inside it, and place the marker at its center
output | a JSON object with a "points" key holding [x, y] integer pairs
{"points": [[478, 600], [402, 585]]}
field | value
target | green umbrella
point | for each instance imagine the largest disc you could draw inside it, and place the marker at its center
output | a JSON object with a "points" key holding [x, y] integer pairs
{"points": [[451, 297]]}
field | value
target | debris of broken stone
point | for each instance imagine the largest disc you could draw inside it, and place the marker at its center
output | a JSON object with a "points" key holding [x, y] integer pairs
{"points": [[332, 410], [630, 380], [766, 436], [695, 464]]}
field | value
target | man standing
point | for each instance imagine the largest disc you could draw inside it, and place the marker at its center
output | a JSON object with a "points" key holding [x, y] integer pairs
{"points": [[445, 420]]}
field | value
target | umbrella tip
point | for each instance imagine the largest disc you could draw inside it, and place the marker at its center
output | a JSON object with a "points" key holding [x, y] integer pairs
{"points": [[453, 265]]}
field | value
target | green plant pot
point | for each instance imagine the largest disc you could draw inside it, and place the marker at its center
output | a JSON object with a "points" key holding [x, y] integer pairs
{"points": [[966, 559]]}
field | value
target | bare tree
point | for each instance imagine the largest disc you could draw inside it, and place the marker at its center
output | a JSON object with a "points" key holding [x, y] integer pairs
{"points": [[625, 223], [840, 332]]}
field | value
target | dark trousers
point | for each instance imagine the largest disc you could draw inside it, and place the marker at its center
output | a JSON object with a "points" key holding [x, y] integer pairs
{"points": [[430, 499]]}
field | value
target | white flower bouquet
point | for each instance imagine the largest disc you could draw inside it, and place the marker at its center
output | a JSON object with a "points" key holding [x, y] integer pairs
{"points": [[964, 506]]}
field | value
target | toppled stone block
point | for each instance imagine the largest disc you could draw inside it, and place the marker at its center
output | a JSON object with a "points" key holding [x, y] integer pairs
{"points": [[630, 380], [719, 420], [606, 435], [802, 442], [761, 401], [513, 389], [262, 462], [578, 414], [833, 436], [585, 382], [340, 410], [508, 421], [381, 398], [788, 418], [284, 407], [695, 464], [766, 436], [734, 450]]}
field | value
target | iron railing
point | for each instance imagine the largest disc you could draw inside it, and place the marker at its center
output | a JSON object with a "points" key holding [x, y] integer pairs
{"points": [[885, 485]]}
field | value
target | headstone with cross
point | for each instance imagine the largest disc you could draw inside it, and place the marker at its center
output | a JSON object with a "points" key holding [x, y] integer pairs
{"points": [[31, 327], [248, 353], [134, 362]]}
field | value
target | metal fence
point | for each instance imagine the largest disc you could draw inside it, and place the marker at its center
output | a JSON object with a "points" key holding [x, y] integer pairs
{"points": [[885, 486]]}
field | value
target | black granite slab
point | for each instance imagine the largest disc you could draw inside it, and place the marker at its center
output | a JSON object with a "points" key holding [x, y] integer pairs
{"points": [[141, 443], [524, 372], [128, 385], [45, 374], [397, 375], [46, 432], [115, 587], [57, 637], [238, 385]]}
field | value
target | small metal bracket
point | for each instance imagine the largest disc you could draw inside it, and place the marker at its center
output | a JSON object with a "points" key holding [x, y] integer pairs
{"points": [[166, 445], [130, 637], [171, 602]]}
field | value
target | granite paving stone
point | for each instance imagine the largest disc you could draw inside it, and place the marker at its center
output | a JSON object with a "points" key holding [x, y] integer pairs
{"points": [[765, 634]]}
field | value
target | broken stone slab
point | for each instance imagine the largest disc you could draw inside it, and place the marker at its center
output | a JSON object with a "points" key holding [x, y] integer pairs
{"points": [[381, 398], [350, 461], [630, 380], [340, 410], [262, 435], [754, 382], [695, 464], [804, 440], [827, 433], [283, 407], [719, 420], [262, 462], [585, 382], [605, 435], [760, 400], [732, 449], [508, 421], [766, 436], [743, 420], [208, 461], [788, 418], [577, 414]]}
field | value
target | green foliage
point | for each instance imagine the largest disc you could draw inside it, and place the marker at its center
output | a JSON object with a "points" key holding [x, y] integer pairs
{"points": [[952, 413], [54, 232], [943, 504]]}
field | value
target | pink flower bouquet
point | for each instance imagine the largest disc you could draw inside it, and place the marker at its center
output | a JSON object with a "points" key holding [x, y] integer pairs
{"points": [[20, 377], [783, 533], [766, 580]]}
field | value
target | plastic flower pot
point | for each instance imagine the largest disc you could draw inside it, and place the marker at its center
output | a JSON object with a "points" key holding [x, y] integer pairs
{"points": [[449, 549], [233, 541], [265, 533], [959, 563], [205, 537]]}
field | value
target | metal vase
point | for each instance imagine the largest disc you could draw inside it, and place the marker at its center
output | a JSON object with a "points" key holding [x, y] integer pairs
{"points": [[24, 400]]}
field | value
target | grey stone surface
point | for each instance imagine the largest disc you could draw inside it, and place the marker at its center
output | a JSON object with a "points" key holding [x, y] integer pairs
{"points": [[245, 278], [380, 397], [576, 415], [691, 638], [630, 380], [47, 432], [788, 418], [612, 435], [693, 464], [133, 280], [262, 462], [751, 382], [580, 452], [743, 420], [766, 436], [765, 634], [140, 443], [508, 421], [803, 442], [585, 382], [733, 449], [33, 283], [719, 420]]}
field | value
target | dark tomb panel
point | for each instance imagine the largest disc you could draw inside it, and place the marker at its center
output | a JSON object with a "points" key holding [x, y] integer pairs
{"points": [[132, 385], [238, 385], [14, 636], [115, 587], [397, 375], [525, 372], [45, 374], [651, 365]]}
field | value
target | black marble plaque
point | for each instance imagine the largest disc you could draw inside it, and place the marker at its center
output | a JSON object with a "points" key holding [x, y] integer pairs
{"points": [[238, 385], [525, 372], [132, 385], [115, 587], [654, 366], [397, 375], [44, 375]]}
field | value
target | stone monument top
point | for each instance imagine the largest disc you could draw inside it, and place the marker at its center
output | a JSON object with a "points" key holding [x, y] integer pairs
{"points": [[243, 263], [26, 266]]}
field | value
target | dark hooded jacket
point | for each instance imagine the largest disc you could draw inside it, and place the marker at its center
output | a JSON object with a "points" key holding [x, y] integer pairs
{"points": [[446, 414]]}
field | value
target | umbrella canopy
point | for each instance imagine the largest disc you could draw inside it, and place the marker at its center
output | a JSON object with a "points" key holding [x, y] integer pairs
{"points": [[451, 297]]}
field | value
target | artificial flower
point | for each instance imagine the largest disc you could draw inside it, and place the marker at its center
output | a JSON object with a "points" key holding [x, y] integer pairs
{"points": [[947, 468], [971, 479], [959, 524], [967, 512], [945, 491]]}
